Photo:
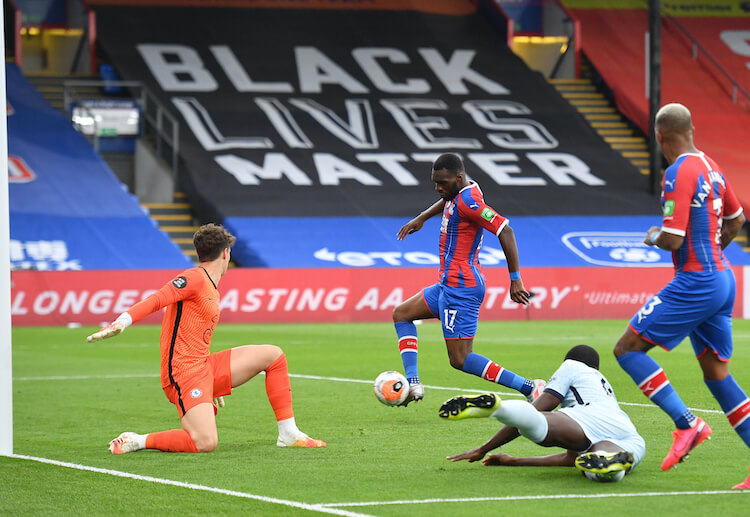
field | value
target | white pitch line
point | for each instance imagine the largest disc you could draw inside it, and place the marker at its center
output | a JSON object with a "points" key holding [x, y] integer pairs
{"points": [[317, 378], [295, 504], [533, 498]]}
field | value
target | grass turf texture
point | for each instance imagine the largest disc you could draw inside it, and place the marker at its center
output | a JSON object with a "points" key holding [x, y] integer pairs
{"points": [[72, 397]]}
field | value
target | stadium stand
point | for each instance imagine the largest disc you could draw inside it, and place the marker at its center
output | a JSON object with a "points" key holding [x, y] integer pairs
{"points": [[342, 124], [314, 147], [703, 51], [67, 209]]}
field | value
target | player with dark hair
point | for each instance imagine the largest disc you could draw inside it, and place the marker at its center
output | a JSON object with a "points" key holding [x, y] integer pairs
{"points": [[456, 298], [701, 217], [194, 379], [599, 437]]}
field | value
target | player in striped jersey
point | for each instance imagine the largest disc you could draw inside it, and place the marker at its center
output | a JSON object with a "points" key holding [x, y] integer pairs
{"points": [[701, 217], [456, 298], [194, 379]]}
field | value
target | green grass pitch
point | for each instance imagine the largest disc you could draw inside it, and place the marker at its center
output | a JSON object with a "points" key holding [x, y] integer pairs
{"points": [[72, 397]]}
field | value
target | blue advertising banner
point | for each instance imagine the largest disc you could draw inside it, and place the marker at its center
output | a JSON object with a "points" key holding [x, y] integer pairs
{"points": [[362, 242]]}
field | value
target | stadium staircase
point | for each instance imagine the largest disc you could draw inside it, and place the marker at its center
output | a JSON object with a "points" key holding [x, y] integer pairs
{"points": [[595, 104], [175, 218]]}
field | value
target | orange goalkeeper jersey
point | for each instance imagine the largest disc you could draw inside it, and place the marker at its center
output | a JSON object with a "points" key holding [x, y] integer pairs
{"points": [[192, 303]]}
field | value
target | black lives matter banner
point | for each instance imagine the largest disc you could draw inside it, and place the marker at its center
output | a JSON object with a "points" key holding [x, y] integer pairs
{"points": [[304, 112]]}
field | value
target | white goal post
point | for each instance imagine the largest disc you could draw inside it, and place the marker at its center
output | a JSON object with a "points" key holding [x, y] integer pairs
{"points": [[6, 369]]}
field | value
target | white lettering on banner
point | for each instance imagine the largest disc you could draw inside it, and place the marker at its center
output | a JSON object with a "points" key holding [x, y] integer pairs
{"points": [[390, 162], [490, 296], [457, 70], [418, 127], [288, 300], [517, 133], [180, 68], [500, 173], [367, 59], [238, 76], [488, 256], [284, 123], [46, 302], [125, 300], [315, 69], [331, 169], [184, 71], [541, 294], [205, 130], [738, 42], [617, 298], [17, 308], [74, 302], [275, 166], [562, 168], [359, 133], [41, 256], [77, 302], [371, 300]]}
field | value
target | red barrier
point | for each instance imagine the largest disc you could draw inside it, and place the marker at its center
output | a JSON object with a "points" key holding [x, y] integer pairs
{"points": [[336, 295]]}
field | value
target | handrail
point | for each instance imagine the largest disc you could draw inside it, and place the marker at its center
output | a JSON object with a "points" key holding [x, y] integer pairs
{"points": [[697, 46], [154, 117], [576, 38]]}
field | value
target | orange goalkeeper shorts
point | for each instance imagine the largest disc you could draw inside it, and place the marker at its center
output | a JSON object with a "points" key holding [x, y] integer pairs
{"points": [[213, 380]]}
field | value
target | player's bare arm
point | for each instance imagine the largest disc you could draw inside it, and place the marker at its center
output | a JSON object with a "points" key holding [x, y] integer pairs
{"points": [[664, 240], [503, 436], [416, 224], [508, 242], [730, 228], [562, 459]]}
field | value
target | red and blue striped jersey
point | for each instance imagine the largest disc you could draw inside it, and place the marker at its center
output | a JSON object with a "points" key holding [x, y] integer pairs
{"points": [[696, 198], [464, 220]]}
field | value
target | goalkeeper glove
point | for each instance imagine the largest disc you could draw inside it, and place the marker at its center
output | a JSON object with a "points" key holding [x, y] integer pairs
{"points": [[116, 327], [219, 402]]}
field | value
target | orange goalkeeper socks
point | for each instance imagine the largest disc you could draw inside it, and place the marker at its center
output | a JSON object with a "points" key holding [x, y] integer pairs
{"points": [[278, 389], [174, 440]]}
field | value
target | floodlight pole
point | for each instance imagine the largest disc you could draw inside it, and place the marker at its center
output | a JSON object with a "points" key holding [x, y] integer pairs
{"points": [[6, 369], [653, 69]]}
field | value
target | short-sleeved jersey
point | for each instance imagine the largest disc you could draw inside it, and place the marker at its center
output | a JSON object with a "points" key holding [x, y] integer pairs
{"points": [[576, 384], [464, 218], [192, 303], [696, 198]]}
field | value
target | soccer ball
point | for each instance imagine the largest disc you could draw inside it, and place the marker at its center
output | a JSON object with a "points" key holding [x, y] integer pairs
{"points": [[391, 388], [538, 389]]}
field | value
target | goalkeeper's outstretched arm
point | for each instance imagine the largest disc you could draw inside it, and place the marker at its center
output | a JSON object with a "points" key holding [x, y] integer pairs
{"points": [[166, 295], [122, 322]]}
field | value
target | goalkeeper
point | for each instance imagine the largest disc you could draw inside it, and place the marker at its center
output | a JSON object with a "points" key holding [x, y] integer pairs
{"points": [[192, 378]]}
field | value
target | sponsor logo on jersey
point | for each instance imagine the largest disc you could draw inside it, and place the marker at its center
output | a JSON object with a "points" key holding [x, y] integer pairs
{"points": [[488, 214], [624, 249], [179, 282], [669, 208], [196, 393]]}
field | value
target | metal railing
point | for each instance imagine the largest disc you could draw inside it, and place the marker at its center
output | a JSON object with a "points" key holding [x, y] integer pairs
{"points": [[698, 48], [157, 124]]}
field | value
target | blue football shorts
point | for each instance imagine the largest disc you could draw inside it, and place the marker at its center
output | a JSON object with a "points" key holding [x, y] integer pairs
{"points": [[693, 304], [456, 307]]}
